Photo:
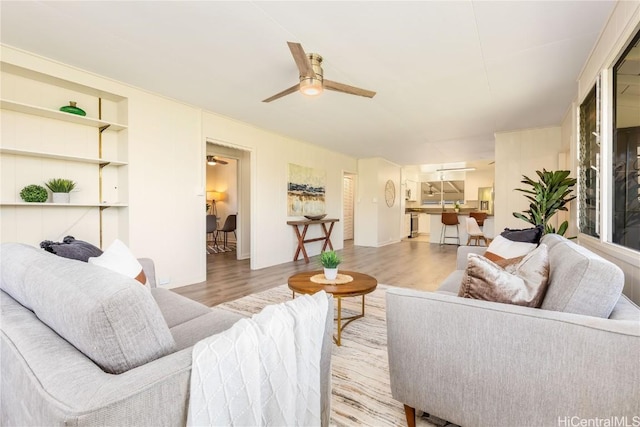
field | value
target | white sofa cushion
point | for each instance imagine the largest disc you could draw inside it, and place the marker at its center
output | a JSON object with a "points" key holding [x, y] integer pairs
{"points": [[107, 316], [582, 282]]}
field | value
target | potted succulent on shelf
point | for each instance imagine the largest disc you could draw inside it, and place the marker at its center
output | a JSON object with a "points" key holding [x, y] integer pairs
{"points": [[60, 189], [34, 194], [330, 261], [456, 206]]}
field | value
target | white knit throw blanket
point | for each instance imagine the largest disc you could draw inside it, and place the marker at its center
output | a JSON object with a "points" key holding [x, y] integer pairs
{"points": [[263, 371]]}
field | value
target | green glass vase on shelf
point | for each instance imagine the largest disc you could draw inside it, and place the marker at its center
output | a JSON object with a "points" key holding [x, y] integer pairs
{"points": [[71, 108]]}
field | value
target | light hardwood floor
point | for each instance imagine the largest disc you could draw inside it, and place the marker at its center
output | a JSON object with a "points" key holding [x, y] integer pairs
{"points": [[411, 263]]}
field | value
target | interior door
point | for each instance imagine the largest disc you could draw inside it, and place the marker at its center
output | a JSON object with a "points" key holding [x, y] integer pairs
{"points": [[348, 193]]}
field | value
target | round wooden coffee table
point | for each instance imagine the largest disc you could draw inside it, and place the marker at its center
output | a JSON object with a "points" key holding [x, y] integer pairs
{"points": [[361, 285]]}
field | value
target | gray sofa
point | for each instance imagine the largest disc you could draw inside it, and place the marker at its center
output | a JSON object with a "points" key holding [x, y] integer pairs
{"points": [[480, 363], [81, 345]]}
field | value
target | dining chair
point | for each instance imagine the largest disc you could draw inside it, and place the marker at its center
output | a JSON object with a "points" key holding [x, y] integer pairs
{"points": [[474, 232], [212, 228], [228, 227]]}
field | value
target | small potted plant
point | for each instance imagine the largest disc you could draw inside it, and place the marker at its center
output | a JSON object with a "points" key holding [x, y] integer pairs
{"points": [[456, 206], [330, 261], [34, 194], [60, 189]]}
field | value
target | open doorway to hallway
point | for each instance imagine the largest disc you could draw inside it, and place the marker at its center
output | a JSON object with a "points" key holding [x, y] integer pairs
{"points": [[227, 189]]}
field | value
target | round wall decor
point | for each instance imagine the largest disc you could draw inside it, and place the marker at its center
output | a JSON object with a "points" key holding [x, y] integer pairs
{"points": [[390, 193]]}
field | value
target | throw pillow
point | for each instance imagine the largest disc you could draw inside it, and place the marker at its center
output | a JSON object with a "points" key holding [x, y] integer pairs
{"points": [[501, 248], [71, 248], [485, 280], [509, 264], [528, 235], [119, 258]]}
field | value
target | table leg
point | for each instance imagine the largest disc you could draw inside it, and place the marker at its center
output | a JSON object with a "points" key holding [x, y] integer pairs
{"points": [[338, 341], [327, 236], [301, 243]]}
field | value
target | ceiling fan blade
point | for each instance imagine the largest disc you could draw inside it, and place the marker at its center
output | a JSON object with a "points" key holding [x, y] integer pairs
{"points": [[302, 61], [283, 93], [222, 162], [341, 87]]}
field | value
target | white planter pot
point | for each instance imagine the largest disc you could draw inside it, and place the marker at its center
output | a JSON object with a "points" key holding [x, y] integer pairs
{"points": [[330, 273], [61, 197]]}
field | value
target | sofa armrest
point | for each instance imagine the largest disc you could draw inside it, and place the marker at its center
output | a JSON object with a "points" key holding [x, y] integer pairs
{"points": [[463, 251], [149, 269], [475, 362]]}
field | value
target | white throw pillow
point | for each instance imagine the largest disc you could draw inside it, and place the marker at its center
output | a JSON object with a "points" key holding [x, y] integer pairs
{"points": [[120, 259], [502, 248]]}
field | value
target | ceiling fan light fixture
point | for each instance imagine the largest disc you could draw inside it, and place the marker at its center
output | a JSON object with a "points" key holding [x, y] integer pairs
{"points": [[455, 169], [211, 161], [310, 86]]}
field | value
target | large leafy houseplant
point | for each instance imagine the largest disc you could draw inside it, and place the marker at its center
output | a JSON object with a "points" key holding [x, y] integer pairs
{"points": [[548, 195]]}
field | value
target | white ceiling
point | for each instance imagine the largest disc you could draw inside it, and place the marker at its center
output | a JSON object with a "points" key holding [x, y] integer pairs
{"points": [[447, 74]]}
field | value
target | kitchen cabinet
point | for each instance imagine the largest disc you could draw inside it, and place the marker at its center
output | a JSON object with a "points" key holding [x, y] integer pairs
{"points": [[424, 223], [40, 142], [407, 225], [411, 192]]}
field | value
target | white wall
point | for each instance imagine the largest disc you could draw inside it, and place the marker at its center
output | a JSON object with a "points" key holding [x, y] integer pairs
{"points": [[621, 27], [521, 153], [477, 179], [167, 148], [376, 223], [273, 240]]}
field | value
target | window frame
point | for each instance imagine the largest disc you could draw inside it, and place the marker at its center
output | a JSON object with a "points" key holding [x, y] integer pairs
{"points": [[604, 243]]}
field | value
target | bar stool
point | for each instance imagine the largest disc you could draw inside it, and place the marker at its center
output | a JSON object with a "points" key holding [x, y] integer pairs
{"points": [[449, 219], [479, 216]]}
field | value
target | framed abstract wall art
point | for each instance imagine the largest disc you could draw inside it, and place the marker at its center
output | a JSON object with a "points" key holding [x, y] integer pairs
{"points": [[306, 191]]}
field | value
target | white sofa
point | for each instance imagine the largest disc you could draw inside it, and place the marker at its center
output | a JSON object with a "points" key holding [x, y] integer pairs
{"points": [[84, 346], [480, 363]]}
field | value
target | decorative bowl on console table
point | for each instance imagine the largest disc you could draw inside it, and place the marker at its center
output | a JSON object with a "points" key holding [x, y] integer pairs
{"points": [[315, 217]]}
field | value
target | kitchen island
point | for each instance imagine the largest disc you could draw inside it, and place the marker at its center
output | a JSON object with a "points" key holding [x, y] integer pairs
{"points": [[435, 224]]}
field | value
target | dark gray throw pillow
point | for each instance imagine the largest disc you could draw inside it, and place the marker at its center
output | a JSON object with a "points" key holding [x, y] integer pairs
{"points": [[527, 235], [71, 248]]}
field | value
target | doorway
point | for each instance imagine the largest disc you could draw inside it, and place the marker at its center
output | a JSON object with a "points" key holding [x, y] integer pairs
{"points": [[222, 202], [227, 184], [348, 205]]}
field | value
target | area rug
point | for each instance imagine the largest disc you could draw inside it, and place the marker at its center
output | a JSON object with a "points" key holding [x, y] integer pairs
{"points": [[361, 395]]}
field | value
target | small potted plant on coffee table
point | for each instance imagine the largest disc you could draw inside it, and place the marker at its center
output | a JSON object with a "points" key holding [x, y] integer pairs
{"points": [[60, 189], [330, 261]]}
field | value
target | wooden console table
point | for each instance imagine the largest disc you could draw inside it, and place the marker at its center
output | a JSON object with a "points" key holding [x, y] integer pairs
{"points": [[302, 236]]}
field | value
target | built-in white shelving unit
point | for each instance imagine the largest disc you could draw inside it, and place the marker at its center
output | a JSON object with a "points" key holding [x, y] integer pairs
{"points": [[58, 115], [40, 142], [46, 155]]}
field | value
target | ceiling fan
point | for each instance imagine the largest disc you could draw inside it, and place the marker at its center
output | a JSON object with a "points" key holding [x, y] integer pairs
{"points": [[312, 81], [431, 192], [214, 160]]}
